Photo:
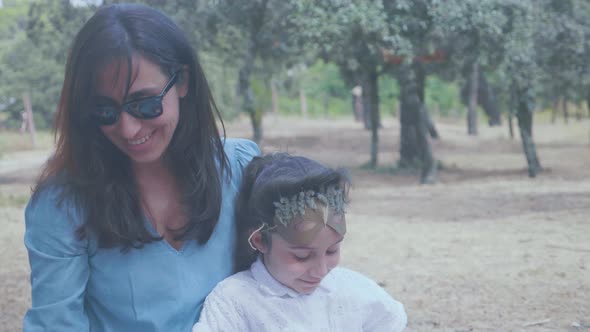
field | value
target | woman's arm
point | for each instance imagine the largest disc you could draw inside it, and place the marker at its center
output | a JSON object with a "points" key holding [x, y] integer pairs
{"points": [[59, 266]]}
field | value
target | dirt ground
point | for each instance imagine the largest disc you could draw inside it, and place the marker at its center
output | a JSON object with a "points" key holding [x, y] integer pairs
{"points": [[484, 249]]}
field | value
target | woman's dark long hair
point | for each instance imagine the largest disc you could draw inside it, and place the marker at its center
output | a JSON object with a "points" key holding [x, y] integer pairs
{"points": [[94, 174], [265, 180]]}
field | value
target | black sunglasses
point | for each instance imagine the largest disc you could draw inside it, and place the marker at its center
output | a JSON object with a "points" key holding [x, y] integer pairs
{"points": [[142, 108]]}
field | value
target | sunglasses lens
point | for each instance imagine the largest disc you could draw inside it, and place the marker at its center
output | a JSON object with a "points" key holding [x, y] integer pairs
{"points": [[146, 109], [106, 115]]}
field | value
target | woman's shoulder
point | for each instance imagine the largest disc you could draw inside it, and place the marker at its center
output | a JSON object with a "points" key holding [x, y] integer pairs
{"points": [[240, 149], [52, 197], [52, 220], [239, 152]]}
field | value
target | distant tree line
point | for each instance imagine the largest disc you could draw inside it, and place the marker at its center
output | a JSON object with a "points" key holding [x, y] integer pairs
{"points": [[508, 56]]}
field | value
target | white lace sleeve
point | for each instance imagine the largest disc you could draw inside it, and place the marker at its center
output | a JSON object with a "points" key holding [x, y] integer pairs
{"points": [[385, 315], [220, 314], [380, 311]]}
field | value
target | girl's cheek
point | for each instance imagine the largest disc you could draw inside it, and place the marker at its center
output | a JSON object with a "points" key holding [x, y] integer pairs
{"points": [[335, 260]]}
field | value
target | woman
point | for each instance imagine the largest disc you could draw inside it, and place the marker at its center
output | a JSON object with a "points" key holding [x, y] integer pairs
{"points": [[131, 223]]}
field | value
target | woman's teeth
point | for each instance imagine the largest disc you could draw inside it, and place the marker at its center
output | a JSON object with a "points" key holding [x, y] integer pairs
{"points": [[140, 140]]}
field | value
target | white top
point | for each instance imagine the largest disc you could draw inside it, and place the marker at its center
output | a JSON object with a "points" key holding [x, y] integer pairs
{"points": [[345, 300]]}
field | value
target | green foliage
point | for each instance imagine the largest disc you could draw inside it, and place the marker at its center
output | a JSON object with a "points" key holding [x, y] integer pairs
{"points": [[443, 94], [474, 30], [324, 79], [35, 36], [262, 94], [324, 89], [543, 45], [222, 79], [349, 33]]}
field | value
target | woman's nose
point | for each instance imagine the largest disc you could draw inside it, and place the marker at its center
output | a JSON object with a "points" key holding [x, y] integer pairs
{"points": [[128, 125]]}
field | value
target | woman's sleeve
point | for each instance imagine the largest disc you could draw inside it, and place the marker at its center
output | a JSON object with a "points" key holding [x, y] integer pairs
{"points": [[59, 266], [220, 314], [245, 150]]}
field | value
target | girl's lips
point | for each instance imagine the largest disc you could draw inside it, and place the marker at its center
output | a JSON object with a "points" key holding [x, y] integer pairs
{"points": [[311, 282]]}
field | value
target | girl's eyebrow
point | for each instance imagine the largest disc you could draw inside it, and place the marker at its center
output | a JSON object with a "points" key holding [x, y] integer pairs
{"points": [[301, 248]]}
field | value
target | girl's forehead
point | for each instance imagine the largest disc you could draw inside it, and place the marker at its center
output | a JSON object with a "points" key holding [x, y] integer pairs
{"points": [[314, 236], [304, 230]]}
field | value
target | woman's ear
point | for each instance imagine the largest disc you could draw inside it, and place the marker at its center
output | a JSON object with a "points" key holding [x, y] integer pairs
{"points": [[183, 81], [257, 242]]}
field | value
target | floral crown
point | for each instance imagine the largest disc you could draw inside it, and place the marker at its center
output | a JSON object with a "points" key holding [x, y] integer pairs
{"points": [[288, 208]]}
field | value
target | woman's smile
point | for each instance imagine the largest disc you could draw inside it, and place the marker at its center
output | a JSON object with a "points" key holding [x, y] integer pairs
{"points": [[141, 140]]}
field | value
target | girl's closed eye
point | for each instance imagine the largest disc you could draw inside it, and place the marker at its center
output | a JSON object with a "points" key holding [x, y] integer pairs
{"points": [[333, 251], [302, 256]]}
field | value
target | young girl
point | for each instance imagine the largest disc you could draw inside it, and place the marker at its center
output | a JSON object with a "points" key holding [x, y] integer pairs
{"points": [[291, 223]]}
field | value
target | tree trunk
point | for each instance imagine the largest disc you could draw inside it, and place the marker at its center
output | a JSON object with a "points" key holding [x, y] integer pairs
{"points": [[488, 101], [29, 121], [409, 149], [524, 114], [437, 111], [357, 103], [371, 108], [358, 108], [326, 105], [566, 114], [353, 108], [579, 112], [555, 110], [366, 102], [429, 167], [274, 96], [248, 102], [510, 124], [303, 103], [415, 150], [512, 105], [472, 105], [421, 87]]}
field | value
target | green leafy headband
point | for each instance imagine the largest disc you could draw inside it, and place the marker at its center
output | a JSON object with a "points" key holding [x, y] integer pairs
{"points": [[288, 208]]}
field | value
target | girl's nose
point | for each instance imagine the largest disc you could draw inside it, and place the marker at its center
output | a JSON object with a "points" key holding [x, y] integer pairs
{"points": [[320, 269], [128, 125]]}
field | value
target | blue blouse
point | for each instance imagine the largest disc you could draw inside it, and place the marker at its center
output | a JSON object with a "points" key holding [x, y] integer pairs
{"points": [[79, 287]]}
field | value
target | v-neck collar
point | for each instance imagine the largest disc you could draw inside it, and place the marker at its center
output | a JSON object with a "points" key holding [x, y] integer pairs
{"points": [[152, 230]]}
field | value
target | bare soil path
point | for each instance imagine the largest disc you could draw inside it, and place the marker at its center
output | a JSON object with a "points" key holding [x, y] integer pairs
{"points": [[484, 249]]}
